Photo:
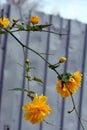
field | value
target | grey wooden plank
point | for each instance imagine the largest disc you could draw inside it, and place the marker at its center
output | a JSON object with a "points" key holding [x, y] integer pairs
{"points": [[3, 58], [83, 71]]}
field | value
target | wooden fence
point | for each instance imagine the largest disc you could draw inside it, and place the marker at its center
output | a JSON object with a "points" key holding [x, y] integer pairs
{"points": [[73, 46]]}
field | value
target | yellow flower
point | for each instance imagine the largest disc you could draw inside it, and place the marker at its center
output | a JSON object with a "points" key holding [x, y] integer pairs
{"points": [[36, 110], [62, 59], [78, 77], [4, 22], [69, 87], [34, 20]]}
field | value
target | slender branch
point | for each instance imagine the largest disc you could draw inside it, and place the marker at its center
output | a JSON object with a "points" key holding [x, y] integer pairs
{"points": [[24, 46], [25, 66], [60, 34], [27, 46], [28, 83], [77, 112], [74, 107]]}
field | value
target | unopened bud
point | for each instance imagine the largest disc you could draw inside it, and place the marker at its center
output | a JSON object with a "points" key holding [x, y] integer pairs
{"points": [[34, 19], [27, 61], [14, 20], [22, 23], [62, 59]]}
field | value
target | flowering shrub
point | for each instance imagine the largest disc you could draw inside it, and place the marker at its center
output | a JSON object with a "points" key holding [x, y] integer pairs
{"points": [[67, 83]]}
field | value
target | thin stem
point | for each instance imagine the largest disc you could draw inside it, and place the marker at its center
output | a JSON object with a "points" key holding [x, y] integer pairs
{"points": [[25, 67], [28, 82], [74, 107], [24, 54], [27, 46], [32, 51], [60, 34], [77, 112], [59, 76], [41, 31]]}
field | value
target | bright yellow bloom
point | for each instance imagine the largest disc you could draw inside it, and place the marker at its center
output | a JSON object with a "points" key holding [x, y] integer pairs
{"points": [[34, 20], [36, 110], [77, 76], [4, 22], [62, 59], [69, 87]]}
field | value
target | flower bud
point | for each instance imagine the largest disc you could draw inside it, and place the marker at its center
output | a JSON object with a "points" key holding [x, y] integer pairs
{"points": [[14, 20], [34, 20], [27, 61], [62, 59], [22, 23]]}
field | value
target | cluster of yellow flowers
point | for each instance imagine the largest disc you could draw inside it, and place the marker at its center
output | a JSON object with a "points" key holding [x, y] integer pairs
{"points": [[5, 21], [69, 87], [36, 111]]}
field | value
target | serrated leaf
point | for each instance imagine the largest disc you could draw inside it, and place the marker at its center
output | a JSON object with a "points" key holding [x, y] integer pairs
{"points": [[38, 80], [19, 89]]}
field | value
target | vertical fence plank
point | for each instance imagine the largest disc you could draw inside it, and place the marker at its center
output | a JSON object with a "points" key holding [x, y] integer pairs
{"points": [[23, 82], [46, 65], [65, 70], [3, 57], [83, 72]]}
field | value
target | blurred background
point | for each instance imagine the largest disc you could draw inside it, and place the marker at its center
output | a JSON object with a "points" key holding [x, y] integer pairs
{"points": [[67, 17]]}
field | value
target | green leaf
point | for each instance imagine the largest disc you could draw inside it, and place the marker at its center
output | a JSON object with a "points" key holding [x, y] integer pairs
{"points": [[43, 26], [20, 65], [65, 77], [27, 69], [19, 89], [30, 67], [30, 28], [37, 27], [31, 92], [20, 27], [27, 76], [3, 32], [38, 80]]}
